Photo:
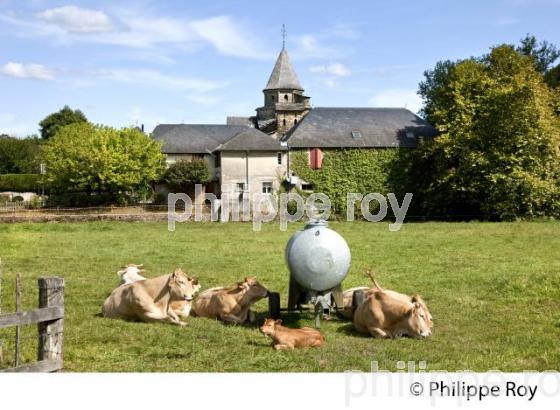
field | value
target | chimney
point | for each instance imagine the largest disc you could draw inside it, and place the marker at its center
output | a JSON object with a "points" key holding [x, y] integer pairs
{"points": [[142, 127]]}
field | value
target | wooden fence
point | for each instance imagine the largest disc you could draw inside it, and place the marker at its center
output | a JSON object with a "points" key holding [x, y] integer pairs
{"points": [[50, 319]]}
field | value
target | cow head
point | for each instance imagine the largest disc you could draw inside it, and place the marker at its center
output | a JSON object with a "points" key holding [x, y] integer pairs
{"points": [[427, 315], [418, 322], [253, 288], [131, 269], [269, 326], [183, 287]]}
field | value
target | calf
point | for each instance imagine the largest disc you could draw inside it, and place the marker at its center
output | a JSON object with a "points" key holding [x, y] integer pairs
{"points": [[150, 300], [286, 338], [232, 304], [384, 314]]}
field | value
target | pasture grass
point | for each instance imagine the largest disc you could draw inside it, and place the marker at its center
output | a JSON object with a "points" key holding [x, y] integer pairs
{"points": [[492, 288]]}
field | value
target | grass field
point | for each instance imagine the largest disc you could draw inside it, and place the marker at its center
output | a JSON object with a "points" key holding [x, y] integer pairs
{"points": [[493, 290]]}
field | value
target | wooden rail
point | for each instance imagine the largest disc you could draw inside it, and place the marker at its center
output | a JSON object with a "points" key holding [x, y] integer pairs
{"points": [[50, 319], [32, 316]]}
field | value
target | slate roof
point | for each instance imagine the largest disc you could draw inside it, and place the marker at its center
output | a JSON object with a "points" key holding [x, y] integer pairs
{"points": [[233, 120], [358, 128], [204, 138], [252, 140], [283, 75]]}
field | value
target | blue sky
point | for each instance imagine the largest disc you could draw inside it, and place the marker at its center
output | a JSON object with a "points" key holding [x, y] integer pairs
{"points": [[130, 62]]}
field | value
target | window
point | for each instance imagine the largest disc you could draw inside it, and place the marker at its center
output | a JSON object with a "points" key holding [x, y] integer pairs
{"points": [[284, 121], [356, 134], [279, 156], [267, 188], [285, 97], [306, 187], [295, 121], [410, 135]]}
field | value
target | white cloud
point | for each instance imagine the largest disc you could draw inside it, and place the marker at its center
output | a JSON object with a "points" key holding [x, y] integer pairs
{"points": [[142, 32], [396, 97], [226, 37], [151, 78], [33, 71], [308, 46], [71, 24], [77, 20], [336, 69]]}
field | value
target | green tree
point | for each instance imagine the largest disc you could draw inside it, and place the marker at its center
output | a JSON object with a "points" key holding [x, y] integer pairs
{"points": [[182, 175], [552, 77], [498, 152], [94, 158], [544, 54], [54, 122], [19, 156]]}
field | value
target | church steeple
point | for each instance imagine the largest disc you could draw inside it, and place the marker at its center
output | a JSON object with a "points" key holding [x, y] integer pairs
{"points": [[283, 76], [284, 102]]}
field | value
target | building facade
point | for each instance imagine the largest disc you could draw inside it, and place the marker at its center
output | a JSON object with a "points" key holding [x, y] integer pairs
{"points": [[251, 154]]}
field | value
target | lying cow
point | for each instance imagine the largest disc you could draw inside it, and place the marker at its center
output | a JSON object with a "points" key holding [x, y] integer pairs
{"points": [[183, 307], [286, 338], [347, 297], [131, 273], [231, 304], [386, 314], [150, 300]]}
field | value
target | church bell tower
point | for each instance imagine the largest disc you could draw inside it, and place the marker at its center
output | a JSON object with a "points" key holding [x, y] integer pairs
{"points": [[284, 102]]}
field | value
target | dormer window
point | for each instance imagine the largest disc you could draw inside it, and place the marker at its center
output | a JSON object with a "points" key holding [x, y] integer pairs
{"points": [[356, 134]]}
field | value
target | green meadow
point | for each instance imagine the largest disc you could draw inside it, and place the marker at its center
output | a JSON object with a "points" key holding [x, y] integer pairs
{"points": [[492, 288]]}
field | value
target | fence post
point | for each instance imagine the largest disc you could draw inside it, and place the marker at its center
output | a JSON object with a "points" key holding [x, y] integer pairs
{"points": [[51, 293]]}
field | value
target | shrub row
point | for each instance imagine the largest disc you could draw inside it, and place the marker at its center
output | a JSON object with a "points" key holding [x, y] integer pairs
{"points": [[22, 182]]}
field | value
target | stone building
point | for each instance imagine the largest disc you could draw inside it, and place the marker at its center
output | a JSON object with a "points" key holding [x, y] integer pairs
{"points": [[252, 154]]}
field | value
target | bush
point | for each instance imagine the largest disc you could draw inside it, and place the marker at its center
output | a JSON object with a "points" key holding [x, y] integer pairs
{"points": [[83, 199], [182, 175], [160, 199], [21, 182]]}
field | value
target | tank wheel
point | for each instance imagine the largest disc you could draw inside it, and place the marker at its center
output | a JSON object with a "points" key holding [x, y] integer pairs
{"points": [[357, 299], [274, 305]]}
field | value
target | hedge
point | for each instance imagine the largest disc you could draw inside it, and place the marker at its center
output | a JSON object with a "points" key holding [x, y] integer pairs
{"points": [[21, 182]]}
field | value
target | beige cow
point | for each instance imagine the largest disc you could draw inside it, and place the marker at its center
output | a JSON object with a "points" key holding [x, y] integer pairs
{"points": [[382, 314], [231, 304], [150, 300], [348, 295]]}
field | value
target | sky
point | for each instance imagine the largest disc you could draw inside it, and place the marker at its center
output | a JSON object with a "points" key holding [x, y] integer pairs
{"points": [[148, 62]]}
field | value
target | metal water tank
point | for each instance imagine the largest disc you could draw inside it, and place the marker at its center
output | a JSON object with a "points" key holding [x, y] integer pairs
{"points": [[318, 257]]}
